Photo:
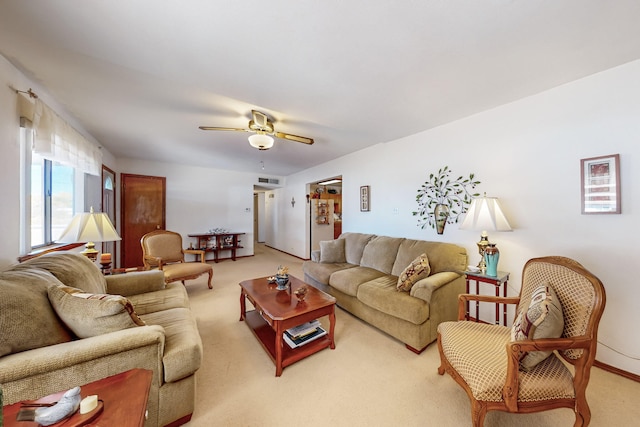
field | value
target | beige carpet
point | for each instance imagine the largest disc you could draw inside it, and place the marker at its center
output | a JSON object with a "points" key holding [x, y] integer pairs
{"points": [[370, 379]]}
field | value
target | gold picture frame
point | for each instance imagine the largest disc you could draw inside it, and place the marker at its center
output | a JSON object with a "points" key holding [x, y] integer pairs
{"points": [[600, 185], [364, 199]]}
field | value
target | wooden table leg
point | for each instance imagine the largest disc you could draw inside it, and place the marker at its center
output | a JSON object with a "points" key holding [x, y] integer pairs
{"points": [[279, 333], [243, 306], [332, 326]]}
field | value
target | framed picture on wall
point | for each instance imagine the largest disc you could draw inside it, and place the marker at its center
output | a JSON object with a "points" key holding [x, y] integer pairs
{"points": [[600, 179], [364, 198]]}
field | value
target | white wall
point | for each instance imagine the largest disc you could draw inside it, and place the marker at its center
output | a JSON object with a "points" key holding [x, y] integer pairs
{"points": [[527, 154], [200, 199]]}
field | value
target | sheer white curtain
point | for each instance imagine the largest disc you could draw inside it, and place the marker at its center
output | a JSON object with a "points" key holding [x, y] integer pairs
{"points": [[56, 140]]}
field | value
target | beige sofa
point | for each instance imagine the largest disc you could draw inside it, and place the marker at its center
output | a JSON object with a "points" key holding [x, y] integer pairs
{"points": [[42, 320], [362, 270]]}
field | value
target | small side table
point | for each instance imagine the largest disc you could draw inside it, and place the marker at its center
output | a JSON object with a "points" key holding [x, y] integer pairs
{"points": [[125, 398], [497, 281]]}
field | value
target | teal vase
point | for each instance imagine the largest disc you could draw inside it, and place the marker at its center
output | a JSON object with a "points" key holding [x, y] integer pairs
{"points": [[491, 257]]}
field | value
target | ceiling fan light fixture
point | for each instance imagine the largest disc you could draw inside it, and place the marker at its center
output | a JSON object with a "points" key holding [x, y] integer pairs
{"points": [[261, 141]]}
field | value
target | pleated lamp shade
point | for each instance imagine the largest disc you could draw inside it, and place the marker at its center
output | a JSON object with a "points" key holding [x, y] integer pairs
{"points": [[89, 227], [485, 214]]}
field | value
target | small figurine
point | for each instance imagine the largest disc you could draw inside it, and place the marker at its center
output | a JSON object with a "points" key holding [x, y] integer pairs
{"points": [[45, 416]]}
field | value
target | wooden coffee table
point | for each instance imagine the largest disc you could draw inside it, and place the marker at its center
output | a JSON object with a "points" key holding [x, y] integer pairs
{"points": [[276, 311]]}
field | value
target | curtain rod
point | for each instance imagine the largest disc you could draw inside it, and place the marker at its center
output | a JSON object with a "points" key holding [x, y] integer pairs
{"points": [[29, 92]]}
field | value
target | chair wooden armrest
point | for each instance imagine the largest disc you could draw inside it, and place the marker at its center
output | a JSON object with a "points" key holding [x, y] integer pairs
{"points": [[514, 350], [463, 299], [195, 252], [155, 260]]}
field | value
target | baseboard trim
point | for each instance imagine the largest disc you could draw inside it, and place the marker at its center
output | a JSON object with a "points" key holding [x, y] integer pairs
{"points": [[285, 252], [614, 370]]}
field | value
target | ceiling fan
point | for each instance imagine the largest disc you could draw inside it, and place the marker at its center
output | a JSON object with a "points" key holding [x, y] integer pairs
{"points": [[263, 128]]}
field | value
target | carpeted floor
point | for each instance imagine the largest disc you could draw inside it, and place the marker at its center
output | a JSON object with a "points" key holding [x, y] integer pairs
{"points": [[370, 379]]}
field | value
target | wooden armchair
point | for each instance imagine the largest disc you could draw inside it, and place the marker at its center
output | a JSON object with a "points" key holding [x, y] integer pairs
{"points": [[485, 361], [162, 249]]}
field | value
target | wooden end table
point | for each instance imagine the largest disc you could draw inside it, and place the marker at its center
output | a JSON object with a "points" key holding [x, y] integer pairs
{"points": [[497, 281], [125, 397], [276, 311]]}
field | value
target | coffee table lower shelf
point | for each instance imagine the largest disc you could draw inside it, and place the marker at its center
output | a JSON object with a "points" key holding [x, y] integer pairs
{"points": [[267, 338]]}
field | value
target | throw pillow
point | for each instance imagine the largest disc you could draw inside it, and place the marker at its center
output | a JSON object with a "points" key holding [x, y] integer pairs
{"points": [[88, 315], [27, 320], [541, 319], [417, 270], [332, 251]]}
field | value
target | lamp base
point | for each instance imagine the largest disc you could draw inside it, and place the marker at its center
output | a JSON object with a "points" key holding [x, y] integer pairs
{"points": [[482, 245], [90, 251]]}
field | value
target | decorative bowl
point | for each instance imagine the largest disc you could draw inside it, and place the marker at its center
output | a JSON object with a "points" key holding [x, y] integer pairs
{"points": [[301, 293]]}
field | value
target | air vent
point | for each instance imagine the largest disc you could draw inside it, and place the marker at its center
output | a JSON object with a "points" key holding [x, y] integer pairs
{"points": [[269, 180]]}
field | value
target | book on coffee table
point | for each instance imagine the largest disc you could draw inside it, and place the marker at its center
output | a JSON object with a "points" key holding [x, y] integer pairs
{"points": [[299, 341], [304, 329]]}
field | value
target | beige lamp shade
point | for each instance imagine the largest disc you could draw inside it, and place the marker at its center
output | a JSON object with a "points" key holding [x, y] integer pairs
{"points": [[89, 227], [485, 214]]}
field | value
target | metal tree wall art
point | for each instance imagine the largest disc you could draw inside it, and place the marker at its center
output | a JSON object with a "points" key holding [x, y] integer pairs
{"points": [[442, 200]]}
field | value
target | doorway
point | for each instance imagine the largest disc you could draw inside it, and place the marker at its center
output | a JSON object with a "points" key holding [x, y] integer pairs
{"points": [[143, 209], [325, 211], [109, 207]]}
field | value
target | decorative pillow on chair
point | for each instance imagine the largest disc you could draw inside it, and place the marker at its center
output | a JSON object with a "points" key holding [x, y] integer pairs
{"points": [[542, 319], [88, 315], [417, 270], [332, 251]]}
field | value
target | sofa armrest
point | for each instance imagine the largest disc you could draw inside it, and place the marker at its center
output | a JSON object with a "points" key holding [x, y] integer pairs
{"points": [[424, 288], [35, 373], [134, 283], [315, 256]]}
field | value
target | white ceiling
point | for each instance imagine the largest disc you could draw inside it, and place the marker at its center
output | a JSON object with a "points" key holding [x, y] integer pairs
{"points": [[142, 75]]}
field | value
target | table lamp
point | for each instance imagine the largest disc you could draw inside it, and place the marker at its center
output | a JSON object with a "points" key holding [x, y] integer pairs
{"points": [[485, 214], [89, 227]]}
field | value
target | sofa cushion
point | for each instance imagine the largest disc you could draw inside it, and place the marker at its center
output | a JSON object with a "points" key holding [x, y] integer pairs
{"points": [[380, 253], [183, 345], [89, 315], [382, 295], [321, 272], [354, 244], [442, 256], [27, 320], [348, 280], [332, 251], [542, 318], [72, 269], [417, 270], [174, 295]]}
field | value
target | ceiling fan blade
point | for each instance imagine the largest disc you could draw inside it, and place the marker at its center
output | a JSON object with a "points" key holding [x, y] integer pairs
{"points": [[218, 128], [295, 138]]}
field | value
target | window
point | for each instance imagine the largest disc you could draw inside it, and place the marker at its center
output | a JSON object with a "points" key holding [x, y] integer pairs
{"points": [[55, 163], [50, 198]]}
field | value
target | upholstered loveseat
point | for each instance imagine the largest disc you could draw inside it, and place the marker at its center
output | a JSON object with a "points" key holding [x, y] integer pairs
{"points": [[59, 329], [362, 272]]}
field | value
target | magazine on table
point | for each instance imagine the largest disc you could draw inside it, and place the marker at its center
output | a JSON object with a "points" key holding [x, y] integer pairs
{"points": [[295, 342]]}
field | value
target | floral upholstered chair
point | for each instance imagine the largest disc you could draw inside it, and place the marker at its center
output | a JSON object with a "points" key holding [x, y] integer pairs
{"points": [[162, 249], [520, 369]]}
